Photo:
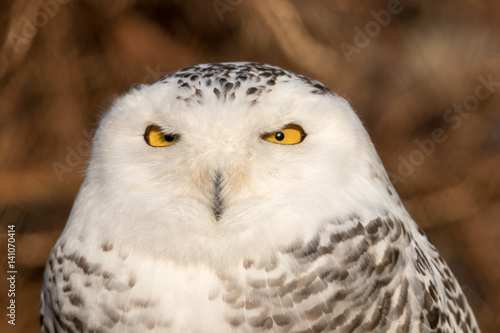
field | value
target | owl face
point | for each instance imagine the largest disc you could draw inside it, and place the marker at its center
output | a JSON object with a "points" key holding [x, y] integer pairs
{"points": [[233, 151]]}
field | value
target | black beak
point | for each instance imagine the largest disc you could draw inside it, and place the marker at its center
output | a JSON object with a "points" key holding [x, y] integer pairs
{"points": [[217, 207]]}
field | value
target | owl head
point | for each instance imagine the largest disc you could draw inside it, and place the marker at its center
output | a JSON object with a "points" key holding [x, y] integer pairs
{"points": [[216, 161]]}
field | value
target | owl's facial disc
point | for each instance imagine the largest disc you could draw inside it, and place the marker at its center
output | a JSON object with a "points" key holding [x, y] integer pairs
{"points": [[223, 176]]}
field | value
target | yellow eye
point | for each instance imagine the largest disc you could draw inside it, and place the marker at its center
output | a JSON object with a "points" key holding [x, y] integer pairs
{"points": [[288, 135], [155, 138]]}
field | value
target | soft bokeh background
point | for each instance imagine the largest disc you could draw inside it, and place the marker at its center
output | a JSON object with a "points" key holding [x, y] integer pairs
{"points": [[62, 63]]}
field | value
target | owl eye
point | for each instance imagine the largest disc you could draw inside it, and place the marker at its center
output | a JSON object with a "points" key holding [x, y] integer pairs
{"points": [[156, 138], [288, 135]]}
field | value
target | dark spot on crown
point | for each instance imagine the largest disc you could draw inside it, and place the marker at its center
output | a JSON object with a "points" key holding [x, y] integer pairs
{"points": [[251, 90], [198, 93], [222, 81], [228, 86], [217, 92]]}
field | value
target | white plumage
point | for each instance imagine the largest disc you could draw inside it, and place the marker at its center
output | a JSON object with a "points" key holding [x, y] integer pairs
{"points": [[241, 197]]}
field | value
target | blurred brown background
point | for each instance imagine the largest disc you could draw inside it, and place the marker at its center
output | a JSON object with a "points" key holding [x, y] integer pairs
{"points": [[424, 76]]}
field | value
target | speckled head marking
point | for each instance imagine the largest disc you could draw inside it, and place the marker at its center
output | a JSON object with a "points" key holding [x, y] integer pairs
{"points": [[227, 81]]}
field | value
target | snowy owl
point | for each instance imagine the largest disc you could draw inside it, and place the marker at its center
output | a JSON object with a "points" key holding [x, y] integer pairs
{"points": [[242, 197]]}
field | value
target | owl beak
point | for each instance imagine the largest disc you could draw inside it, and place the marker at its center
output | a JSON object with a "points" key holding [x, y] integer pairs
{"points": [[217, 202]]}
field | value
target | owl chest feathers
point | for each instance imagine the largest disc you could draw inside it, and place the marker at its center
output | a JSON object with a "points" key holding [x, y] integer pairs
{"points": [[354, 277]]}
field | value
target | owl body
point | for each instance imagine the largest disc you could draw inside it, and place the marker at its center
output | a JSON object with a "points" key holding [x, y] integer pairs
{"points": [[241, 197]]}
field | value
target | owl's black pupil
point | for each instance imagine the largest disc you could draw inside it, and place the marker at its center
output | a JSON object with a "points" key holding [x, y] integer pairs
{"points": [[279, 136], [169, 137]]}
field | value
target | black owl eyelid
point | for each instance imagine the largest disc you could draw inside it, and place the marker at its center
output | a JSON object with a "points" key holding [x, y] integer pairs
{"points": [[290, 126], [151, 125], [284, 127], [174, 136]]}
